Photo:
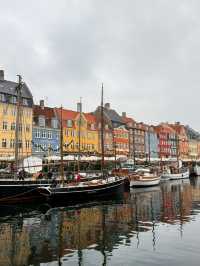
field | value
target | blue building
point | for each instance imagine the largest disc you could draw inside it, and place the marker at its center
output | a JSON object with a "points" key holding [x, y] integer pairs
{"points": [[46, 132], [151, 144]]}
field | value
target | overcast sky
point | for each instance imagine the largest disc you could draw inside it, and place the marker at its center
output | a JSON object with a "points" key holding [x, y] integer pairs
{"points": [[147, 53]]}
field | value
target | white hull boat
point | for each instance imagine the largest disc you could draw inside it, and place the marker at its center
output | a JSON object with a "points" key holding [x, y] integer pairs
{"points": [[197, 170], [171, 176], [144, 180]]}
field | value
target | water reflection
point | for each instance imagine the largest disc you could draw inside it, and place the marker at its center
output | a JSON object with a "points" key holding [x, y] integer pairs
{"points": [[76, 236]]}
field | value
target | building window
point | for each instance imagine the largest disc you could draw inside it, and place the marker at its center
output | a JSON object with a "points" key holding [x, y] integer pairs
{"points": [[2, 97], [44, 134], [5, 110], [92, 127], [37, 134], [4, 143], [69, 123], [13, 99], [27, 144], [25, 102], [13, 111], [20, 144], [41, 121], [49, 134], [20, 127], [12, 126], [12, 143], [27, 128], [5, 125], [54, 123]]}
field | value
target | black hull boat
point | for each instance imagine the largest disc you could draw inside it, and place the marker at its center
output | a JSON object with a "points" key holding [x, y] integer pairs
{"points": [[18, 191], [85, 191]]}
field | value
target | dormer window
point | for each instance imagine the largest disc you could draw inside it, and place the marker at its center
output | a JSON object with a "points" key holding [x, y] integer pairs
{"points": [[13, 99], [54, 123], [92, 127], [41, 121], [25, 102], [2, 97], [69, 123]]}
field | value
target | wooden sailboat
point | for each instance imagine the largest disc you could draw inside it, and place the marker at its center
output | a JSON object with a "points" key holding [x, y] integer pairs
{"points": [[179, 172], [76, 192]]}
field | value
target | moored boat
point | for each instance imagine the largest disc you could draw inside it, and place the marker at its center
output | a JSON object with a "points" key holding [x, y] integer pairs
{"points": [[21, 191], [181, 174], [85, 191], [144, 180]]}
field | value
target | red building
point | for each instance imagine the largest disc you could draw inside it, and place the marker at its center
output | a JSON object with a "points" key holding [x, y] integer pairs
{"points": [[121, 140], [166, 140], [183, 144]]}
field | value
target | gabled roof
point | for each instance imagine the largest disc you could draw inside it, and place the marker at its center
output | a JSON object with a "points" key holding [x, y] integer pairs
{"points": [[111, 114], [192, 134], [48, 112], [128, 120], [180, 129], [9, 87], [66, 114], [90, 118], [164, 127]]}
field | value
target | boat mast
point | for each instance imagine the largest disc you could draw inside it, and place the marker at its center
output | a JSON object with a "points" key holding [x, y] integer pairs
{"points": [[102, 132], [61, 145], [134, 144], [19, 97], [149, 146], [79, 134], [177, 149]]}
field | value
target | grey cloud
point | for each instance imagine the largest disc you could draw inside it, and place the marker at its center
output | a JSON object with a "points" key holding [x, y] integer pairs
{"points": [[145, 51]]}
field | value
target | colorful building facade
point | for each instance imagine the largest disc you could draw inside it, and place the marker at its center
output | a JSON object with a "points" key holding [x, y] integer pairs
{"points": [[121, 140], [80, 133], [167, 141], [8, 119], [151, 143], [46, 132], [139, 141], [183, 146], [193, 149], [130, 125]]}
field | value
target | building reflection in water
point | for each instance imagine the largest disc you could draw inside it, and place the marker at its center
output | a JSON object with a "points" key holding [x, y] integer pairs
{"points": [[61, 233]]}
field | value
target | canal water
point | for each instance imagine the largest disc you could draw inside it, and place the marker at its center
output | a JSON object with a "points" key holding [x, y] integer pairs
{"points": [[151, 226]]}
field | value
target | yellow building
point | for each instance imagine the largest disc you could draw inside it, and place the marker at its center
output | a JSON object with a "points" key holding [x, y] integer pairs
{"points": [[193, 149], [8, 118], [79, 128]]}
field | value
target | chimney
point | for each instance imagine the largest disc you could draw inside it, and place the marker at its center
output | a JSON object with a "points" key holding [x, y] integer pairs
{"points": [[107, 106], [79, 107], [123, 114], [42, 104], [2, 75]]}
